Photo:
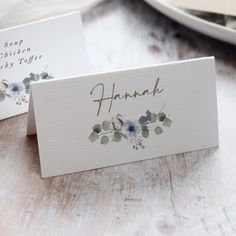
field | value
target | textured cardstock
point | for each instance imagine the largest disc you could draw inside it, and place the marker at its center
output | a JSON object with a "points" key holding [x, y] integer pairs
{"points": [[227, 7], [119, 117], [43, 50]]}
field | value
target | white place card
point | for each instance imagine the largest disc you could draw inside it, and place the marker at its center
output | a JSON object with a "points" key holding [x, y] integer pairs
{"points": [[119, 117], [43, 50]]}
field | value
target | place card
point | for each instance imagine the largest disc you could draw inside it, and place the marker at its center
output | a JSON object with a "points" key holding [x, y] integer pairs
{"points": [[119, 117], [212, 6], [43, 50]]}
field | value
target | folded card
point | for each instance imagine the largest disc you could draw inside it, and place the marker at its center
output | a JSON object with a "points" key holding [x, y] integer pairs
{"points": [[119, 117], [37, 51], [214, 6]]}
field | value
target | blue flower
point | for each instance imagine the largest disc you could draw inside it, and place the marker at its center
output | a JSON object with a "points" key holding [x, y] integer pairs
{"points": [[131, 128], [16, 89]]}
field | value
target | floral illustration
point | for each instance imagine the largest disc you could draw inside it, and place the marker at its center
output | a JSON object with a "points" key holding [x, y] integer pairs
{"points": [[133, 131], [19, 91]]}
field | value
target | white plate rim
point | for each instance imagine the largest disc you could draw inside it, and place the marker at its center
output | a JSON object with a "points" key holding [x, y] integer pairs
{"points": [[203, 26]]}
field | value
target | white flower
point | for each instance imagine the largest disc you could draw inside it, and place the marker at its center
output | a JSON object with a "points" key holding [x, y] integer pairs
{"points": [[117, 122], [3, 86], [16, 89]]}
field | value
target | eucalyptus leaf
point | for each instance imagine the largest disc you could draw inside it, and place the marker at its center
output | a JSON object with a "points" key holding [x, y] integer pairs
{"points": [[149, 116], [97, 128], [27, 88], [2, 97], [44, 75], [36, 77], [93, 137], [117, 137], [106, 125], [145, 132], [142, 120], [161, 116], [158, 130], [153, 118], [104, 140], [26, 81], [167, 122]]}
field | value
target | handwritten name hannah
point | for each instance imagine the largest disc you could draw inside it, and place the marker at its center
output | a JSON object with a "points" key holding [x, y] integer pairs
{"points": [[124, 96]]}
